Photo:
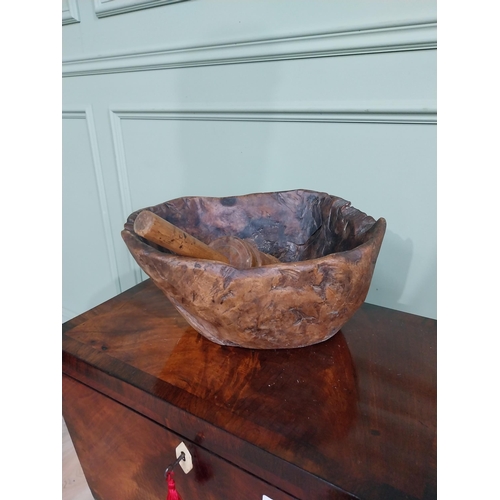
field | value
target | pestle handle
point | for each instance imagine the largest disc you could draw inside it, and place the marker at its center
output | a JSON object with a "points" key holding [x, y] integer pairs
{"points": [[163, 233]]}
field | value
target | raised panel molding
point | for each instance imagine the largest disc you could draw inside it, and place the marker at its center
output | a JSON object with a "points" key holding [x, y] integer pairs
{"points": [[88, 116], [105, 8], [123, 184], [362, 115], [380, 116], [364, 41], [70, 13]]}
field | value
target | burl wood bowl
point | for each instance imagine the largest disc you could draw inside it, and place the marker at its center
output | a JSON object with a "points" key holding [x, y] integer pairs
{"points": [[327, 251]]}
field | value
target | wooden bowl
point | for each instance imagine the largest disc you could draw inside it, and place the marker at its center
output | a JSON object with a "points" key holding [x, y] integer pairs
{"points": [[327, 248]]}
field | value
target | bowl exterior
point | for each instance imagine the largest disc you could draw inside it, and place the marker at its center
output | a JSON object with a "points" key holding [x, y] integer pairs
{"points": [[285, 305]]}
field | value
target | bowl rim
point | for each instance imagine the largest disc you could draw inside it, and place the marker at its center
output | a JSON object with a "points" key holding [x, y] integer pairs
{"points": [[372, 235]]}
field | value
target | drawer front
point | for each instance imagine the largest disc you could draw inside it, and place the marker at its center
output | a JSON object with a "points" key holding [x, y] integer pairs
{"points": [[124, 455]]}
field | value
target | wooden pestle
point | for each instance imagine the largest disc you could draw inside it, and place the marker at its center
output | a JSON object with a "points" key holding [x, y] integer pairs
{"points": [[228, 249]]}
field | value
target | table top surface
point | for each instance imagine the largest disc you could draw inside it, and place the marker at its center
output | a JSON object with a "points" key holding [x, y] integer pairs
{"points": [[357, 411]]}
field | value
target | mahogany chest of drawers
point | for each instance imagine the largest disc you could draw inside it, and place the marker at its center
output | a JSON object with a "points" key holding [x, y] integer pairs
{"points": [[352, 417]]}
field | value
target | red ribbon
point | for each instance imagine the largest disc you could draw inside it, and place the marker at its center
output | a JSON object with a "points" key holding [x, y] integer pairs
{"points": [[172, 494]]}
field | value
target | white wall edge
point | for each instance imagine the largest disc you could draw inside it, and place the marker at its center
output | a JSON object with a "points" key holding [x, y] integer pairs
{"points": [[74, 115], [354, 42], [401, 116], [67, 314], [88, 116], [105, 8], [123, 183], [70, 15]]}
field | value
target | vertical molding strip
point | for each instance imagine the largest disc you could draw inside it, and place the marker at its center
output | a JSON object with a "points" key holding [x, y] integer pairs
{"points": [[124, 185], [103, 200]]}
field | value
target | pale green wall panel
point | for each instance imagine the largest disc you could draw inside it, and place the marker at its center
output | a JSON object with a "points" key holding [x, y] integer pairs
{"points": [[88, 270], [385, 170], [176, 109], [209, 22]]}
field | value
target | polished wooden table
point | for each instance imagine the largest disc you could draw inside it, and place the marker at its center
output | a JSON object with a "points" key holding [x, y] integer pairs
{"points": [[352, 417]]}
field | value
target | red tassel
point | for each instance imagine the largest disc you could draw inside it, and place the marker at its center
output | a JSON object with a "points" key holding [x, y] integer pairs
{"points": [[172, 490]]}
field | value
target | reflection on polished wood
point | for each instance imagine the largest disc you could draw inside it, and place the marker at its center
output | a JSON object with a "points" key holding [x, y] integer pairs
{"points": [[125, 456], [352, 417]]}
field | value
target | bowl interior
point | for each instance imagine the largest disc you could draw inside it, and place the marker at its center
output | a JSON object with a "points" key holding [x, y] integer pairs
{"points": [[291, 225]]}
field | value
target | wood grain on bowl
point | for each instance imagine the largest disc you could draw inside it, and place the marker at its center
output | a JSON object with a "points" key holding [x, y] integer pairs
{"points": [[327, 248], [228, 249]]}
